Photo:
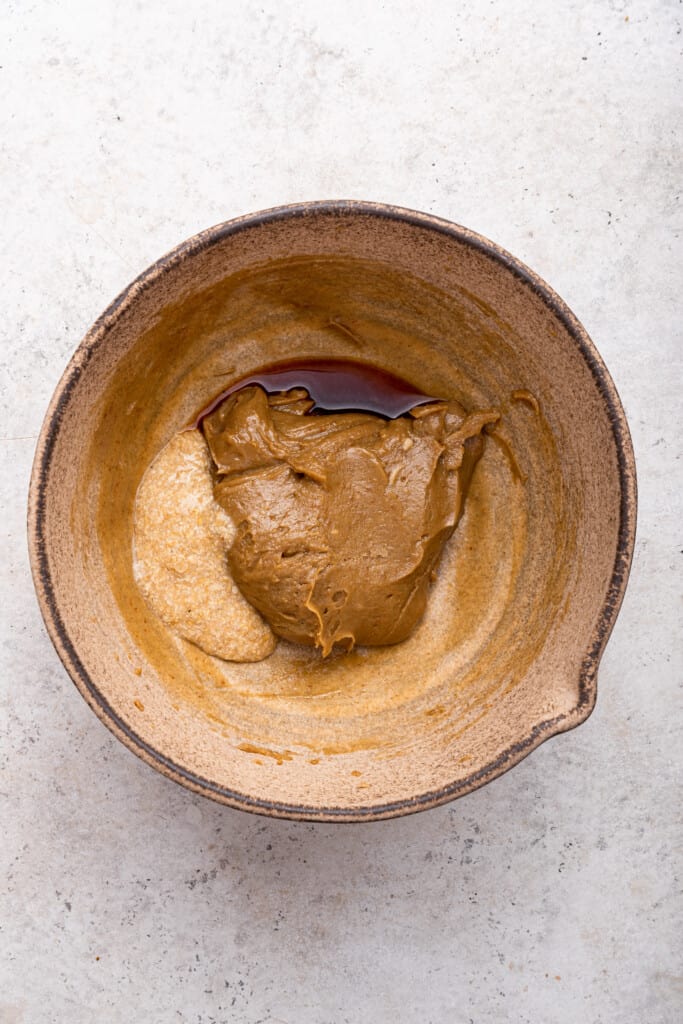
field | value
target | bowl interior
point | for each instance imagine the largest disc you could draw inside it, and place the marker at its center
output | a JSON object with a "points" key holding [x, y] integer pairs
{"points": [[507, 652]]}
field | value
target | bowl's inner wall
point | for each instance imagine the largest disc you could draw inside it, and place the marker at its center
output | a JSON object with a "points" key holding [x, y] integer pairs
{"points": [[521, 585]]}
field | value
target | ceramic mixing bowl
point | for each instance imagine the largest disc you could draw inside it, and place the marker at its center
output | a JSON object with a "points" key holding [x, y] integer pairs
{"points": [[527, 592]]}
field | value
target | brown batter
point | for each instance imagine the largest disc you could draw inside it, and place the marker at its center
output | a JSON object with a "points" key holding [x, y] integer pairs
{"points": [[341, 518]]}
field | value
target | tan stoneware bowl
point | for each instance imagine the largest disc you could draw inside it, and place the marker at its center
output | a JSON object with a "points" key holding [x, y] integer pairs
{"points": [[527, 591]]}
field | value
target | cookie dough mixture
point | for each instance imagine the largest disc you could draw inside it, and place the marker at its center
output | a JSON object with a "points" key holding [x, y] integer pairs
{"points": [[321, 529]]}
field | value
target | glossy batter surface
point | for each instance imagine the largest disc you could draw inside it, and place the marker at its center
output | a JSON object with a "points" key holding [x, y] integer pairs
{"points": [[341, 518]]}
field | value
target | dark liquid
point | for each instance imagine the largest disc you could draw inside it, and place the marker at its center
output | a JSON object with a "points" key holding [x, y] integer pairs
{"points": [[334, 385]]}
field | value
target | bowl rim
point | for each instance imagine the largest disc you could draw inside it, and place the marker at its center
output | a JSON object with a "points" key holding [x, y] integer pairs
{"points": [[37, 540]]}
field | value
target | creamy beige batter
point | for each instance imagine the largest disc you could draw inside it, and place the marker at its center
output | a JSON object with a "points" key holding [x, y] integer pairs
{"points": [[180, 540]]}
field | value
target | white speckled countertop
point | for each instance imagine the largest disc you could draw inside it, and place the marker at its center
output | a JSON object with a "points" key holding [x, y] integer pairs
{"points": [[548, 897]]}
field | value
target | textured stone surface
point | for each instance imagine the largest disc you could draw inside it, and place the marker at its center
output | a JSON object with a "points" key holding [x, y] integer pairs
{"points": [[548, 896]]}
